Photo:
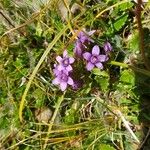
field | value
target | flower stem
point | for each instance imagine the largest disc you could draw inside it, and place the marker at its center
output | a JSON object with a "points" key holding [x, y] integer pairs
{"points": [[135, 69]]}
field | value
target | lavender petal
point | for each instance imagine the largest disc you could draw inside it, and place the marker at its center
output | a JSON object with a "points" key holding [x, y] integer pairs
{"points": [[99, 65], [78, 51], [107, 47], [56, 81], [71, 60], [69, 68], [95, 50], [56, 72], [63, 86], [89, 66], [102, 58], [65, 53], [86, 55], [91, 32], [60, 67], [70, 81], [59, 59]]}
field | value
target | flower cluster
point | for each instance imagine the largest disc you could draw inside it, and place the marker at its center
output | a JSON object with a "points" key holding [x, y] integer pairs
{"points": [[82, 42], [84, 51], [62, 71]]}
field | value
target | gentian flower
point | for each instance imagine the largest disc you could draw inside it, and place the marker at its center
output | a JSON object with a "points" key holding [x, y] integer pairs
{"points": [[64, 63], [79, 48], [94, 59], [62, 79], [107, 47], [84, 37], [82, 42]]}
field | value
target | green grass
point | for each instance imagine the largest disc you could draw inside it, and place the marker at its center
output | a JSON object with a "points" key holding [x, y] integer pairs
{"points": [[110, 111]]}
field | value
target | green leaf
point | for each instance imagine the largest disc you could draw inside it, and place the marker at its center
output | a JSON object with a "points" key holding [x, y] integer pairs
{"points": [[18, 63], [133, 41], [38, 29], [127, 76], [119, 23], [70, 116], [39, 97], [106, 147], [98, 72], [102, 78], [87, 88], [103, 82], [125, 6]]}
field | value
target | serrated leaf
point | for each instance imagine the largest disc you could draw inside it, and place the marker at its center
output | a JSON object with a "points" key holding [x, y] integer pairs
{"points": [[127, 76], [103, 82], [133, 41], [119, 23]]}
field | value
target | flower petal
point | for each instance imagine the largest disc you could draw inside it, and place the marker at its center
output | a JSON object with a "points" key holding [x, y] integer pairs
{"points": [[107, 47], [78, 51], [78, 44], [86, 55], [91, 32], [55, 65], [70, 81], [65, 71], [65, 53], [63, 86], [59, 59], [71, 60], [60, 67], [69, 68], [79, 48], [56, 81], [99, 65], [56, 71], [102, 58], [81, 34], [89, 66], [95, 50]]}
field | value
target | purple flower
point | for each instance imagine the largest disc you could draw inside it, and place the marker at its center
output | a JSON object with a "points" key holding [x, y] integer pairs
{"points": [[79, 48], [107, 47], [62, 79], [84, 38], [64, 63], [77, 84], [82, 42], [55, 70], [94, 59]]}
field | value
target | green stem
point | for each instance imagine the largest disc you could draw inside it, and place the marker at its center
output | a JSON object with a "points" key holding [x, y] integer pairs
{"points": [[119, 64], [135, 69]]}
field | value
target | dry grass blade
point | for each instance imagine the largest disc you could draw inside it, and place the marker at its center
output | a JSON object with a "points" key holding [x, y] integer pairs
{"points": [[36, 70]]}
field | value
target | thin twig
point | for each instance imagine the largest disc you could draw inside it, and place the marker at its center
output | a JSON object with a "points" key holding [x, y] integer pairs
{"points": [[145, 139]]}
